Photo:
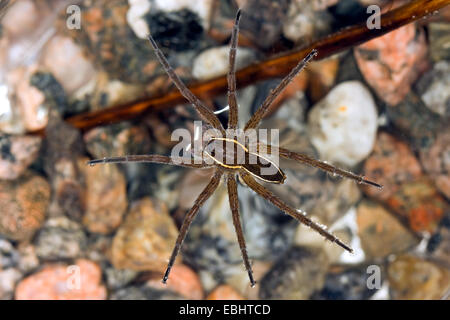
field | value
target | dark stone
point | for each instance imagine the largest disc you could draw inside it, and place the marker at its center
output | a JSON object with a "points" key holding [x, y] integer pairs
{"points": [[296, 275], [143, 293], [55, 97], [262, 21], [179, 30], [5, 148], [349, 284]]}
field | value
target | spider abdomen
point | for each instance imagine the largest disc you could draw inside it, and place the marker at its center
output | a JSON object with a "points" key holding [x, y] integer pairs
{"points": [[231, 154]]}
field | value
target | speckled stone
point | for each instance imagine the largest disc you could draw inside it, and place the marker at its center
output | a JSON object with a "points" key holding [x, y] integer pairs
{"points": [[145, 239], [262, 20], [62, 148], [60, 238], [54, 282], [183, 281], [391, 164], [105, 196], [116, 279], [380, 233], [117, 140], [8, 254], [67, 62], [224, 292], [24, 204], [417, 279], [16, 154], [439, 243], [439, 39], [419, 204], [418, 123], [103, 23], [436, 161], [8, 279], [347, 284], [296, 275], [305, 23], [433, 89], [391, 63], [143, 293]]}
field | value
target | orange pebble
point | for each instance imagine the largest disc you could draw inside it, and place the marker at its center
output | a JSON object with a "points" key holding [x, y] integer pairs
{"points": [[224, 292], [182, 280]]}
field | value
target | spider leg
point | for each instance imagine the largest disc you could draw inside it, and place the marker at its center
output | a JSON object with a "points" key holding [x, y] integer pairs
{"points": [[262, 191], [204, 111], [232, 101], [151, 158], [259, 114], [234, 204], [322, 165], [204, 195]]}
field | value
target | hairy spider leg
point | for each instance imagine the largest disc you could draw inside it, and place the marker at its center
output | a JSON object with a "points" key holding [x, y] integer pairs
{"points": [[262, 191], [234, 205], [300, 157], [259, 114], [206, 113], [204, 195], [231, 77]]}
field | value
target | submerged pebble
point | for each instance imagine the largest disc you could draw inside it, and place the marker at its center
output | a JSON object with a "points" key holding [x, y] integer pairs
{"points": [[434, 89], [296, 276], [392, 163], [105, 197], [412, 278], [24, 205], [436, 161], [60, 238], [305, 23], [224, 292], [214, 62], [343, 125], [391, 63], [145, 239], [346, 284], [380, 232], [56, 282], [17, 153], [183, 281]]}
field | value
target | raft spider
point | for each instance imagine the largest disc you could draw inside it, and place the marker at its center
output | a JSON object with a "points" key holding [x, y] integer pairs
{"points": [[235, 166]]}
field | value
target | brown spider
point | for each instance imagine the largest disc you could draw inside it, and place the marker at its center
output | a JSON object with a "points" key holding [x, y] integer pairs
{"points": [[234, 165]]}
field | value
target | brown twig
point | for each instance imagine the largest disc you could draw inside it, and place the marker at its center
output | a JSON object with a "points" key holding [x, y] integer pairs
{"points": [[274, 67]]}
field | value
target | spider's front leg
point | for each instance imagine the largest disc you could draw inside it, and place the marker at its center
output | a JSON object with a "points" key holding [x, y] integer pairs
{"points": [[262, 191], [300, 157]]}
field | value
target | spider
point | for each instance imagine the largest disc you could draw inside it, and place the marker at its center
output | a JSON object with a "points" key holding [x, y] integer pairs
{"points": [[235, 166]]}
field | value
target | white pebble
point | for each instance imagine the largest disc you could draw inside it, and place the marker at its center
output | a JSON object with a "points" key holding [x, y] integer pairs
{"points": [[135, 17], [201, 7], [343, 125], [66, 61], [437, 95], [214, 62]]}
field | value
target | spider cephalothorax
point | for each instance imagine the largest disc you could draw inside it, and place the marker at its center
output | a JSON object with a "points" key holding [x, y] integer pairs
{"points": [[232, 153]]}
